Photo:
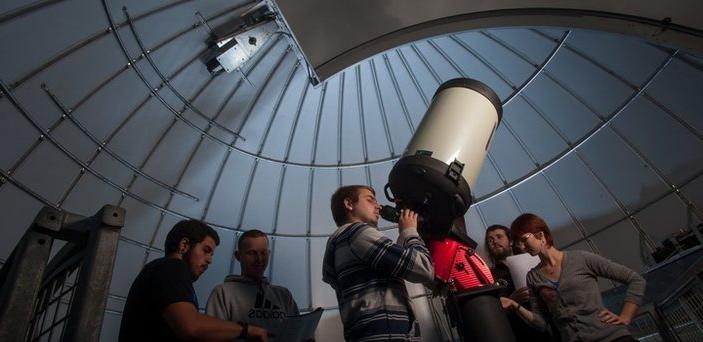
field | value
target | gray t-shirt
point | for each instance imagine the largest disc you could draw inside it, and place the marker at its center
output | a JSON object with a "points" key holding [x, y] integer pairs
{"points": [[574, 301]]}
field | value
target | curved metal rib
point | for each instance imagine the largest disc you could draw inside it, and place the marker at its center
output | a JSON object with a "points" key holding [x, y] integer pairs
{"points": [[103, 146], [382, 108], [147, 54]]}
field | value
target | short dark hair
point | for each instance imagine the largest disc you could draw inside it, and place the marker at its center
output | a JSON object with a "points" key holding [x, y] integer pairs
{"points": [[491, 228], [339, 212], [193, 230], [531, 223], [250, 234]]}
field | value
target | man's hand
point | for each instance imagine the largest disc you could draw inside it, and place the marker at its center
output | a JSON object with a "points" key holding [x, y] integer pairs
{"points": [[521, 295], [408, 219], [257, 333], [606, 316]]}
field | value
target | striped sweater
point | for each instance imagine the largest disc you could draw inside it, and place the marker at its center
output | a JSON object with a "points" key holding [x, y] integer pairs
{"points": [[366, 270]]}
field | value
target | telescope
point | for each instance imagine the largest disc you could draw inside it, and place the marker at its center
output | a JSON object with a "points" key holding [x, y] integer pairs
{"points": [[434, 178]]}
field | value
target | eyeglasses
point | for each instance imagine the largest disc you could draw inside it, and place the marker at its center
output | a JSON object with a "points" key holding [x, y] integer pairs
{"points": [[523, 239]]}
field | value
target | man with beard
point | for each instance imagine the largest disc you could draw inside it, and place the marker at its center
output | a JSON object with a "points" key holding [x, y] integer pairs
{"points": [[162, 306], [499, 245]]}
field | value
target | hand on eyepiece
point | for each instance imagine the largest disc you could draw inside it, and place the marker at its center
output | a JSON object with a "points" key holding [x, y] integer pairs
{"points": [[408, 219]]}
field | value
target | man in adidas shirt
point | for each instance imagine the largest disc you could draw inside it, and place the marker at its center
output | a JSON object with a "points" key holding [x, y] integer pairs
{"points": [[250, 297]]}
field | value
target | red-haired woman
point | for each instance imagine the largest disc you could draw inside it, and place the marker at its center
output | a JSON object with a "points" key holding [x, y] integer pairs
{"points": [[565, 285]]}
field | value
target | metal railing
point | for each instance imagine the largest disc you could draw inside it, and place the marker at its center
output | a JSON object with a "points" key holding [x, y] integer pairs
{"points": [[63, 299]]}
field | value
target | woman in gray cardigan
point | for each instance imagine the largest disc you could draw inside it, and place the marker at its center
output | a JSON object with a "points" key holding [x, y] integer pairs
{"points": [[565, 285]]}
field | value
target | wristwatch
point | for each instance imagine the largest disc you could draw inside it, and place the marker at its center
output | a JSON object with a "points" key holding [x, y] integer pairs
{"points": [[245, 330]]}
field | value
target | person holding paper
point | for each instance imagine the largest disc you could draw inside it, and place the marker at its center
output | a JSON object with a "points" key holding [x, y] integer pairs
{"points": [[367, 270], [249, 298], [499, 244], [162, 305], [565, 285]]}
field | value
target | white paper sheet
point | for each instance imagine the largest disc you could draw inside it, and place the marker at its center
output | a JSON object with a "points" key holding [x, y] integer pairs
{"points": [[298, 328], [519, 265]]}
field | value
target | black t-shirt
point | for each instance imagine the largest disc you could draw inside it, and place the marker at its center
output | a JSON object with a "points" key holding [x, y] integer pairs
{"points": [[162, 282]]}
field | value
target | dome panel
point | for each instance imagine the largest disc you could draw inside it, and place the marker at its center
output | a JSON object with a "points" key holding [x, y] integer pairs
{"points": [[17, 220], [59, 74], [610, 244], [678, 88], [472, 66], [41, 25], [142, 222], [422, 72], [526, 43], [128, 263], [216, 92], [512, 161], [515, 69], [263, 188], [547, 97], [47, 171], [634, 59], [669, 146], [256, 120], [322, 294], [694, 191], [198, 178], [398, 121], [135, 135], [540, 139], [536, 195], [583, 193], [292, 216], [488, 180], [225, 205], [439, 65], [326, 133], [577, 72], [301, 147], [15, 131], [241, 103], [379, 145], [88, 194], [658, 226], [354, 176], [290, 266], [499, 209], [101, 116], [353, 147], [627, 176], [171, 154], [324, 183], [410, 89], [181, 49], [285, 119]]}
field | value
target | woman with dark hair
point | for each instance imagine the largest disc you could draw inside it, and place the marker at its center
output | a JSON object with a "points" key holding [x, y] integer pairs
{"points": [[565, 285]]}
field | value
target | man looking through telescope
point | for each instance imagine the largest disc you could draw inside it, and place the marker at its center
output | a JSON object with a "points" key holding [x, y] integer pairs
{"points": [[367, 270]]}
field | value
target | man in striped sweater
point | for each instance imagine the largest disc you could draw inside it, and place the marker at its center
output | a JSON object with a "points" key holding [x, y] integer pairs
{"points": [[367, 270]]}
